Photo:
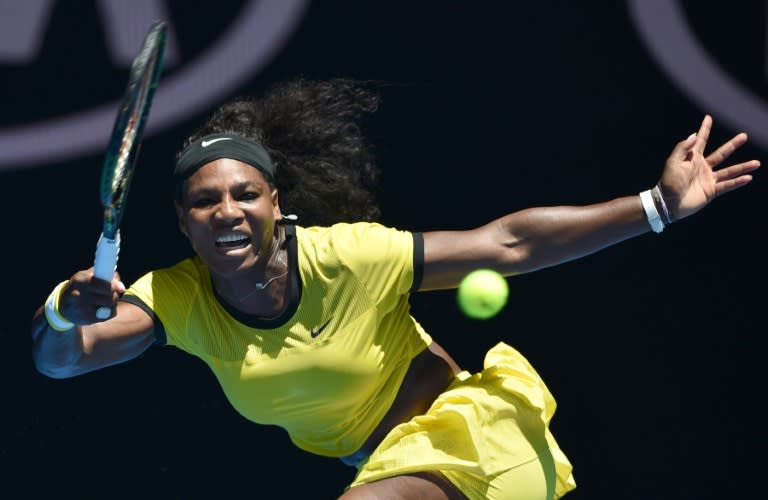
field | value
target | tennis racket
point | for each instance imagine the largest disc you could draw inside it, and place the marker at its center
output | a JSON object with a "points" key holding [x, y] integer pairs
{"points": [[123, 149]]}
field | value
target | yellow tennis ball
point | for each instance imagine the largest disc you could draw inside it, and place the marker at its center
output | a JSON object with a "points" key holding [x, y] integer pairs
{"points": [[482, 293]]}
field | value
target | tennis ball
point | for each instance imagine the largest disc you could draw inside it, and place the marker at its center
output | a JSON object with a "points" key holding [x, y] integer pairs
{"points": [[482, 293]]}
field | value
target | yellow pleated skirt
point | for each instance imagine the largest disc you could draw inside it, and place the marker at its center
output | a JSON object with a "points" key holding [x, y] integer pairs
{"points": [[488, 433]]}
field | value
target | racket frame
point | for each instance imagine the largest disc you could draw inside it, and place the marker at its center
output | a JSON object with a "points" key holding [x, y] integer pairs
{"points": [[123, 150]]}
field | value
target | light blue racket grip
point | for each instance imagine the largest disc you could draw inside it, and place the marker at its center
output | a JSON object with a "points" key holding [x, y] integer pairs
{"points": [[105, 264]]}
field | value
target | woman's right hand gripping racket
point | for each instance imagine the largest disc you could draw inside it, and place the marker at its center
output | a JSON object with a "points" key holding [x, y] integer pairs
{"points": [[123, 149]]}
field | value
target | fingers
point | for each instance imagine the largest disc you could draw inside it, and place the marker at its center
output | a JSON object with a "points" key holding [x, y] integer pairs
{"points": [[737, 170], [85, 294], [720, 154], [117, 284], [683, 148], [94, 296], [104, 295], [734, 177], [700, 139], [702, 136], [731, 184], [695, 142]]}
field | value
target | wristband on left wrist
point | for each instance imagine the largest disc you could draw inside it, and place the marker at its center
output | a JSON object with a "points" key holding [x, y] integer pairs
{"points": [[661, 205], [651, 212]]}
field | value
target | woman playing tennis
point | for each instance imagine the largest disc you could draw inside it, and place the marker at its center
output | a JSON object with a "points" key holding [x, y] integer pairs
{"points": [[306, 324]]}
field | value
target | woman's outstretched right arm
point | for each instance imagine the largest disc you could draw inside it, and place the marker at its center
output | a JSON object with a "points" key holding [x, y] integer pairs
{"points": [[69, 339]]}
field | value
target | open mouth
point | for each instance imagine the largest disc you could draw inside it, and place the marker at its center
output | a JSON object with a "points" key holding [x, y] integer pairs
{"points": [[233, 240]]}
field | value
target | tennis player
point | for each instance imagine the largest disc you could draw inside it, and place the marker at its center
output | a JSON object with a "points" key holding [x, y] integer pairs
{"points": [[306, 324]]}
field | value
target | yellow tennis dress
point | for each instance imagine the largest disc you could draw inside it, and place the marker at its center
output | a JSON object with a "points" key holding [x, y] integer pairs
{"points": [[328, 369]]}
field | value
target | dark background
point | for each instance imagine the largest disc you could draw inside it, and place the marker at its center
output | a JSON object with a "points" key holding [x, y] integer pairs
{"points": [[653, 348]]}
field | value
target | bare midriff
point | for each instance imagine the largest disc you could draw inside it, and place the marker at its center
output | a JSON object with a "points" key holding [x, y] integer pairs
{"points": [[431, 371]]}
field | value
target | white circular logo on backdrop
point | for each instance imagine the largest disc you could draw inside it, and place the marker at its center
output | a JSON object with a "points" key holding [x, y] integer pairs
{"points": [[666, 32], [250, 41]]}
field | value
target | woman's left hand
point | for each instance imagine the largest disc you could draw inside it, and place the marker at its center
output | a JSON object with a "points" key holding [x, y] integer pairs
{"points": [[691, 180]]}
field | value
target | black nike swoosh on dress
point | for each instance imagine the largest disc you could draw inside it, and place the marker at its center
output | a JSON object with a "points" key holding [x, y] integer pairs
{"points": [[317, 331]]}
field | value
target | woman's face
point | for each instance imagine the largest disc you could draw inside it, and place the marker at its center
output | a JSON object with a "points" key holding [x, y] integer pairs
{"points": [[228, 212]]}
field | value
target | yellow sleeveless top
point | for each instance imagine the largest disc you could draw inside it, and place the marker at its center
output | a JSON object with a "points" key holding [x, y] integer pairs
{"points": [[329, 368]]}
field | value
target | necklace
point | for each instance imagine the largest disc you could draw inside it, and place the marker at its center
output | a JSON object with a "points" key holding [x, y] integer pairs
{"points": [[279, 258], [257, 287]]}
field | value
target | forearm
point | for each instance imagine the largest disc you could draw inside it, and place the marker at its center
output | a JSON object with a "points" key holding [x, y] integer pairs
{"points": [[55, 354], [91, 347], [542, 237], [530, 239], [546, 236]]}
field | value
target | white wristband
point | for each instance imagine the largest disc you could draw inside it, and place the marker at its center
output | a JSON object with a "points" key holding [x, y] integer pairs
{"points": [[55, 319], [654, 219]]}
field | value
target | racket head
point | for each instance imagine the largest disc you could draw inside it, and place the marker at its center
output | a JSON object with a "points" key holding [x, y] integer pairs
{"points": [[125, 141]]}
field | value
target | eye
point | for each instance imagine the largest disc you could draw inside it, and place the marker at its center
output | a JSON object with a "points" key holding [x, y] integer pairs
{"points": [[202, 203], [248, 196]]}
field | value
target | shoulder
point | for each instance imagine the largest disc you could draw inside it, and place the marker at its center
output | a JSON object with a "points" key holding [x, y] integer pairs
{"points": [[352, 235], [192, 268], [368, 250], [169, 295], [184, 275]]}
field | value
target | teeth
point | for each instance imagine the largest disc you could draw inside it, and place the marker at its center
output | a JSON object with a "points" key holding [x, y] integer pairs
{"points": [[228, 238]]}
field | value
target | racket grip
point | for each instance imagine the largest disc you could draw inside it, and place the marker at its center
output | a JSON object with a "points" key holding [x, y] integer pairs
{"points": [[105, 263]]}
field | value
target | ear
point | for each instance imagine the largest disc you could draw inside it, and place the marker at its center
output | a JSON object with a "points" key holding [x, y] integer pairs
{"points": [[276, 213], [180, 219]]}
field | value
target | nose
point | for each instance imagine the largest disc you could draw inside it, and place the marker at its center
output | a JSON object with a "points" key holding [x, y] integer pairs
{"points": [[229, 211]]}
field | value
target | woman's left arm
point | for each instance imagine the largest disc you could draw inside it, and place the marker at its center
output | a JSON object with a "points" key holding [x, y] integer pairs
{"points": [[536, 238]]}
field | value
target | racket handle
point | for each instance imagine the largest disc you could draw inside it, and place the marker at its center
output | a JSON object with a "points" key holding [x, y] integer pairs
{"points": [[105, 265]]}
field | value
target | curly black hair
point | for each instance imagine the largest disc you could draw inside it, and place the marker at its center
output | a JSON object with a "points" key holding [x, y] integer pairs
{"points": [[326, 170]]}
